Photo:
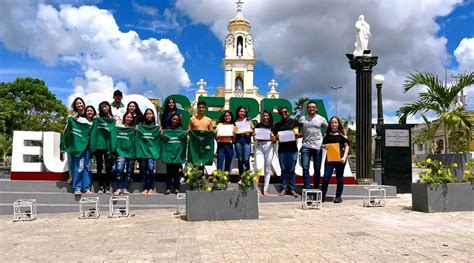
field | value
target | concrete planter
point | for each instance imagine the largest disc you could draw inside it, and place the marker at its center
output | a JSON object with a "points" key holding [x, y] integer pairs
{"points": [[221, 205], [442, 198]]}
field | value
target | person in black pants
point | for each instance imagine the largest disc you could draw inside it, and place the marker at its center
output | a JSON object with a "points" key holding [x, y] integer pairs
{"points": [[335, 134]]}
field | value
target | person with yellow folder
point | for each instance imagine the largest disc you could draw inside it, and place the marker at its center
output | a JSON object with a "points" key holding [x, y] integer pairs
{"points": [[337, 146]]}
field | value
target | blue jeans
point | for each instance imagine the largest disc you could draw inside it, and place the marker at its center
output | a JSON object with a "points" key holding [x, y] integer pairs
{"points": [[225, 154], [81, 175], [306, 155], [123, 177], [242, 148], [147, 170], [328, 169], [287, 164]]}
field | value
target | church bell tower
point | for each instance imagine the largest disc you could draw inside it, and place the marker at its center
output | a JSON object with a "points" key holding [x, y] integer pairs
{"points": [[239, 60]]}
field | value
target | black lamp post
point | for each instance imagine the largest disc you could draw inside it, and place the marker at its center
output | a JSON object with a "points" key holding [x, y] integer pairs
{"points": [[378, 79]]}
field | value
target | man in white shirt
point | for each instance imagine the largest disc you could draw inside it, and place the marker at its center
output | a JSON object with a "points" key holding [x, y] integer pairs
{"points": [[312, 123], [118, 108]]}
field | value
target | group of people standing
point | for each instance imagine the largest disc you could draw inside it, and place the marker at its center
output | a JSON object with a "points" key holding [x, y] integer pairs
{"points": [[115, 160], [286, 131], [233, 136]]}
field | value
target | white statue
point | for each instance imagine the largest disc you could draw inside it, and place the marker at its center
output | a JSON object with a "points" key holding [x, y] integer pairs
{"points": [[362, 36], [239, 49]]}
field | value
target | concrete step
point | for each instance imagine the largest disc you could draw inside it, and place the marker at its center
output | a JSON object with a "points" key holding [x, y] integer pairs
{"points": [[54, 197]]}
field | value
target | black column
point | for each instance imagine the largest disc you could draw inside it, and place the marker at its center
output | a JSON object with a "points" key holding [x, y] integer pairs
{"points": [[363, 66]]}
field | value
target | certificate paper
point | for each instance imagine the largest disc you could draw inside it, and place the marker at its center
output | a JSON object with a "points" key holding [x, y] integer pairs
{"points": [[286, 136], [262, 134], [225, 130], [243, 126]]}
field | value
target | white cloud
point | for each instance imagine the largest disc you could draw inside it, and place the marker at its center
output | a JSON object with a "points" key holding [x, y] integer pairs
{"points": [[306, 42], [144, 9], [90, 37], [464, 54]]}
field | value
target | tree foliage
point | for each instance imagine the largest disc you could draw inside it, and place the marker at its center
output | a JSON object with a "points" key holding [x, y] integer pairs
{"points": [[299, 107], [27, 104], [439, 99]]}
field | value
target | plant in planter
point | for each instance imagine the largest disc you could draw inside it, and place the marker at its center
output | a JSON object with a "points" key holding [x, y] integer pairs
{"points": [[438, 190], [248, 180], [194, 178], [219, 180], [469, 172], [437, 173]]}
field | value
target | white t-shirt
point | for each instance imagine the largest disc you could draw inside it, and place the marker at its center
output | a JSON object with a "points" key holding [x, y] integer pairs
{"points": [[312, 136], [118, 113]]}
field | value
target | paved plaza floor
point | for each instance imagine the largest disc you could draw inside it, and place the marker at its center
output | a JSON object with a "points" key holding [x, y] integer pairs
{"points": [[284, 233]]}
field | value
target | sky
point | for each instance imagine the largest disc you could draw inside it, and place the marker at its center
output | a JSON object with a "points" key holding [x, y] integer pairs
{"points": [[157, 47]]}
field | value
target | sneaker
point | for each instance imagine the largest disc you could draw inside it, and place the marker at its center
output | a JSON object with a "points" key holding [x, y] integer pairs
{"points": [[265, 193], [77, 192], [151, 192], [144, 192], [107, 191], [168, 191], [101, 190], [294, 194], [338, 200], [282, 193], [126, 192], [117, 192], [89, 193], [176, 191]]}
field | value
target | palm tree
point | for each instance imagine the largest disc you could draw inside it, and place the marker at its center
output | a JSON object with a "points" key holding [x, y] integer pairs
{"points": [[439, 99], [299, 107]]}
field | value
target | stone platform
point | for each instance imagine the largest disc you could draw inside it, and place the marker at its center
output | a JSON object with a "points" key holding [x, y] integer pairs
{"points": [[57, 197]]}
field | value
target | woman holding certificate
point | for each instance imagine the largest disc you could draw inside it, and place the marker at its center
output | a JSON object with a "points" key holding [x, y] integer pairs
{"points": [[264, 150], [337, 146], [225, 136], [243, 140]]}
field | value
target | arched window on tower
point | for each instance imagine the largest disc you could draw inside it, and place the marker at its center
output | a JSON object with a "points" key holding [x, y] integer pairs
{"points": [[240, 46], [239, 84]]}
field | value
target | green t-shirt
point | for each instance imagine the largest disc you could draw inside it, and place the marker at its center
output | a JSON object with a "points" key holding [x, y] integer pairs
{"points": [[75, 138], [101, 134], [201, 147], [125, 142], [173, 147], [147, 142]]}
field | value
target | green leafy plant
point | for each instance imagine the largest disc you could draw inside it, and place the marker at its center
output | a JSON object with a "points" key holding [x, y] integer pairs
{"points": [[248, 180], [436, 172], [195, 178], [468, 175], [219, 180], [440, 99]]}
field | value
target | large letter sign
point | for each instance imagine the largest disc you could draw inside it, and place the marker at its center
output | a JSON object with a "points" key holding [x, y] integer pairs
{"points": [[50, 166]]}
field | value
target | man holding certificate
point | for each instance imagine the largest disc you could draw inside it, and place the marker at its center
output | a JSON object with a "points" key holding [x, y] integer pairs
{"points": [[286, 132], [312, 123]]}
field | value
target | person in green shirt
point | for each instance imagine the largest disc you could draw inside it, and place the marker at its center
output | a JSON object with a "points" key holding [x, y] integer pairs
{"points": [[125, 133], [104, 156], [178, 139], [147, 165]]}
